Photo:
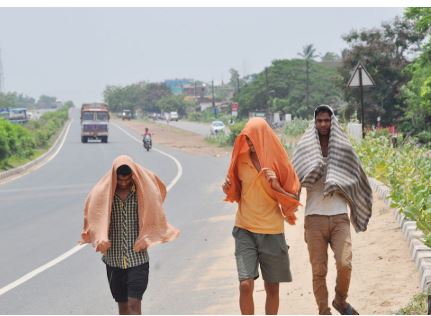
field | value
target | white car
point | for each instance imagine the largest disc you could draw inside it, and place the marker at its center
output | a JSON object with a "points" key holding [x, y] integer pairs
{"points": [[217, 127], [173, 116]]}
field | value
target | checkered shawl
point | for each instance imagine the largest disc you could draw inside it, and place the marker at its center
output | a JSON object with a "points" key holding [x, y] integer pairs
{"points": [[344, 173]]}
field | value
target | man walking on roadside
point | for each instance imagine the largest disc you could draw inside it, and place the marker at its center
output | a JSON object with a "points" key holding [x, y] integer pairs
{"points": [[328, 167], [263, 182], [121, 226]]}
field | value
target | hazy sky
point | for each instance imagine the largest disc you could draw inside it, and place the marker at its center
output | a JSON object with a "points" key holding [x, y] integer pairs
{"points": [[73, 53]]}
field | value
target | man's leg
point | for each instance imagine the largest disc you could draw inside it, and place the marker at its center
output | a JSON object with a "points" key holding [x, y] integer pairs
{"points": [[275, 266], [134, 306], [341, 245], [123, 308], [117, 283], [316, 236], [246, 303], [272, 298], [247, 265]]}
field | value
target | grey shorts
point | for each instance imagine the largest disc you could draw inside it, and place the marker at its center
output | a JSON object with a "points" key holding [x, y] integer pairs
{"points": [[270, 251]]}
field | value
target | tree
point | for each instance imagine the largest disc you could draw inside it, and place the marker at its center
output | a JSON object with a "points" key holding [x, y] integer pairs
{"points": [[174, 103], [140, 95], [384, 53], [46, 102], [15, 100], [417, 91], [286, 80], [308, 54]]}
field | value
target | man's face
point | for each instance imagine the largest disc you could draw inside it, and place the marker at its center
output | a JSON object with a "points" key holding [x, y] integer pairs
{"points": [[124, 182], [250, 145], [323, 123]]}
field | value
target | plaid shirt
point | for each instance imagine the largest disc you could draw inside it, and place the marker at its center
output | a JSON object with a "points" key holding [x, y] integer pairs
{"points": [[123, 231]]}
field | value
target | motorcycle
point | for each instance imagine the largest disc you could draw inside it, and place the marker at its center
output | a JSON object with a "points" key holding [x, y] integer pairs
{"points": [[147, 142]]}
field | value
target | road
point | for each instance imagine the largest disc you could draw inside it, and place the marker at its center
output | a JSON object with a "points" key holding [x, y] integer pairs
{"points": [[42, 219]]}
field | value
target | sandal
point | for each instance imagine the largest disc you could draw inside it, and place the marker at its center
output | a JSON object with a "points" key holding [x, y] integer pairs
{"points": [[348, 310]]}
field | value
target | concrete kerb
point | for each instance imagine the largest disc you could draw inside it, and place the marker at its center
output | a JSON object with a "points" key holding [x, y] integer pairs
{"points": [[21, 169], [420, 253]]}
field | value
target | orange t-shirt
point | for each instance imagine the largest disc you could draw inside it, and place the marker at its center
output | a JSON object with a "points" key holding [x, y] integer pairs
{"points": [[258, 209]]}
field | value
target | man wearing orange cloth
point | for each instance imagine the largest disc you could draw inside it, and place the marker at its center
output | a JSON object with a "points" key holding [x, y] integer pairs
{"points": [[262, 181], [123, 216]]}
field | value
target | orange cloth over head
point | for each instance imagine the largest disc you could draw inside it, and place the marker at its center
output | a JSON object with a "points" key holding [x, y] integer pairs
{"points": [[271, 154], [151, 192]]}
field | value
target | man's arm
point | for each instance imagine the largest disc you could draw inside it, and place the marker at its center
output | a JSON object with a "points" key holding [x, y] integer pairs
{"points": [[275, 184]]}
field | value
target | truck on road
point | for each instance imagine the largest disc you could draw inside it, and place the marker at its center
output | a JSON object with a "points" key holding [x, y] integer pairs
{"points": [[94, 122], [15, 115]]}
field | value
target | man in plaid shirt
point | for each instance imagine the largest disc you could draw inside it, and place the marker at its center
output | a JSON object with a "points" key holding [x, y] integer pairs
{"points": [[127, 270], [121, 226]]}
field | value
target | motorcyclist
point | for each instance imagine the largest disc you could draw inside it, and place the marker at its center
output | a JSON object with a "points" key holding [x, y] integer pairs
{"points": [[147, 134]]}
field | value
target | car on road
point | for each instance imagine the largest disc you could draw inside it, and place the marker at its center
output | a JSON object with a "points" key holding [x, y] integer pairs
{"points": [[173, 116], [217, 127]]}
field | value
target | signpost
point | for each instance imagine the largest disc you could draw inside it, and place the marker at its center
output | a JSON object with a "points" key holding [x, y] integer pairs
{"points": [[361, 78], [234, 107]]}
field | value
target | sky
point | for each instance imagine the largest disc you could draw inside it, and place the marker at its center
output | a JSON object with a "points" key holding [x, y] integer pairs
{"points": [[74, 53]]}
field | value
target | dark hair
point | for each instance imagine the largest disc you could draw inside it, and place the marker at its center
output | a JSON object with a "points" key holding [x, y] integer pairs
{"points": [[124, 170], [322, 109]]}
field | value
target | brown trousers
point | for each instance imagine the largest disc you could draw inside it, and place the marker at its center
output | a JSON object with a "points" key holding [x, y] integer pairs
{"points": [[334, 230]]}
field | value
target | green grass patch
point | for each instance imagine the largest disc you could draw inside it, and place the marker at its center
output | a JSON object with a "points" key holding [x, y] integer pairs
{"points": [[417, 306]]}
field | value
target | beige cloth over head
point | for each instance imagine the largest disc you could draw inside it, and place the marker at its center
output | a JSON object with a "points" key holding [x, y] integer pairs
{"points": [[151, 192]]}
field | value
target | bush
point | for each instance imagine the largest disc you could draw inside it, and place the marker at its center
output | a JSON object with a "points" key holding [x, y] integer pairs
{"points": [[21, 141], [235, 130], [407, 170], [296, 127]]}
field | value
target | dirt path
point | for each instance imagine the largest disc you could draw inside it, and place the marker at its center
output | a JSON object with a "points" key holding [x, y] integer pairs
{"points": [[384, 277]]}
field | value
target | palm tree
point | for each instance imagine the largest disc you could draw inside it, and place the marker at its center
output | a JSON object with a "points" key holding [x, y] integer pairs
{"points": [[308, 54]]}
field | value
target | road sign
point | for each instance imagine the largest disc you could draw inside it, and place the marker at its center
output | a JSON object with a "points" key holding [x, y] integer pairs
{"points": [[360, 77]]}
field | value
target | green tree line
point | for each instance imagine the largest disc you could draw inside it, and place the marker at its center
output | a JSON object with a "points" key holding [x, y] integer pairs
{"points": [[147, 97], [19, 100]]}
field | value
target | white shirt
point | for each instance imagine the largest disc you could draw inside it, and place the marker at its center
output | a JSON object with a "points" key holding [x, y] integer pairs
{"points": [[316, 204]]}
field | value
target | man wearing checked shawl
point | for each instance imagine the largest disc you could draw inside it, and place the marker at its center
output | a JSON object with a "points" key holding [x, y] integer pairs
{"points": [[328, 167]]}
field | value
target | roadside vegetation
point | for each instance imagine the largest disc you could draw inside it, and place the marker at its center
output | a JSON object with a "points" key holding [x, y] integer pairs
{"points": [[417, 306], [22, 143], [406, 169]]}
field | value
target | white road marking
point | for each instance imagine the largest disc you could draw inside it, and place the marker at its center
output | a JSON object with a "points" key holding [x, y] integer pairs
{"points": [[77, 248]]}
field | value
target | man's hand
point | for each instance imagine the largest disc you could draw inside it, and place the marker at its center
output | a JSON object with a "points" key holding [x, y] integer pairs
{"points": [[226, 185], [272, 179], [275, 183]]}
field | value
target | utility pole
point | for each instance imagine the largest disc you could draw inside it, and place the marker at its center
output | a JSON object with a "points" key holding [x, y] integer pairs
{"points": [[1, 76], [213, 101], [307, 82], [267, 92]]}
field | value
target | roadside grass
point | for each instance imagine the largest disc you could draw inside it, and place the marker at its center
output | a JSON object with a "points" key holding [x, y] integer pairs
{"points": [[14, 161], [221, 140], [418, 305]]}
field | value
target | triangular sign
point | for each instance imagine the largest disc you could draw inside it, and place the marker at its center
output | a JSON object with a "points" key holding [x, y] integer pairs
{"points": [[365, 76]]}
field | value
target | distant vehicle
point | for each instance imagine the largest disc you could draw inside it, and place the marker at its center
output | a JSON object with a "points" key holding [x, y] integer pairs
{"points": [[147, 142], [94, 122], [126, 115], [217, 127], [173, 116], [15, 115]]}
